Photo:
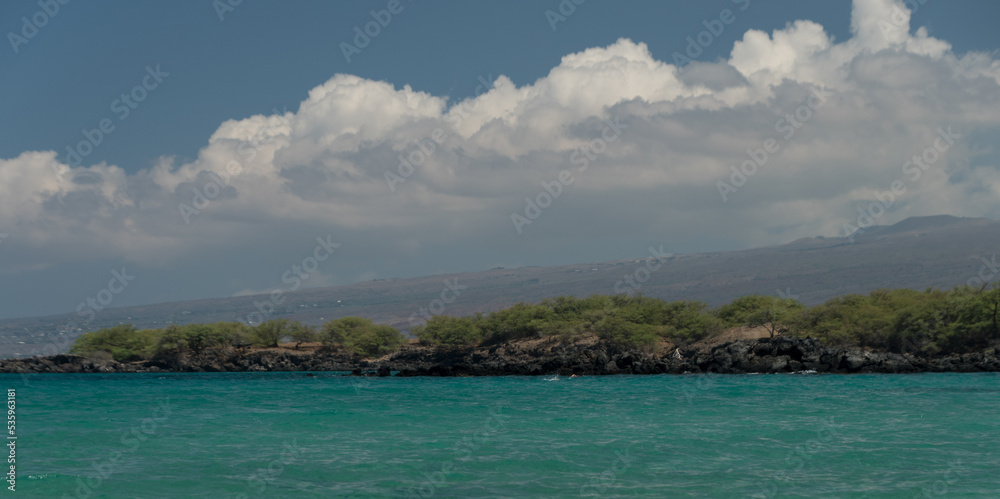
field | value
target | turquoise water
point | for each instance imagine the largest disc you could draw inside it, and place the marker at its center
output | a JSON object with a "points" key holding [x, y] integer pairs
{"points": [[288, 435]]}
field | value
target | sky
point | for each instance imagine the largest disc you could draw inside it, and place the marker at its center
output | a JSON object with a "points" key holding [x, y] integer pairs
{"points": [[163, 151]]}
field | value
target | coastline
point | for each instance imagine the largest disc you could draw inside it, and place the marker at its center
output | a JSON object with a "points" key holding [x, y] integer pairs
{"points": [[782, 354]]}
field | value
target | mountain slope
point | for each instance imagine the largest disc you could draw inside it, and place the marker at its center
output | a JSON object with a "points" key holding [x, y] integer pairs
{"points": [[917, 253]]}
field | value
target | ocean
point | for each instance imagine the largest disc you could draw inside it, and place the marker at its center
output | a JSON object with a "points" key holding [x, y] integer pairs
{"points": [[250, 435]]}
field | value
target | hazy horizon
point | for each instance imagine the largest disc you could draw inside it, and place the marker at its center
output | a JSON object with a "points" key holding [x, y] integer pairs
{"points": [[182, 151]]}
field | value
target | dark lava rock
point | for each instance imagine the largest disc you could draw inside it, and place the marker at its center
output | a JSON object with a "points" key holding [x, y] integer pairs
{"points": [[538, 357]]}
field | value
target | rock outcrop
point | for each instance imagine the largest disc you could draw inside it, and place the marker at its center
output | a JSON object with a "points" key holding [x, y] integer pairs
{"points": [[541, 357]]}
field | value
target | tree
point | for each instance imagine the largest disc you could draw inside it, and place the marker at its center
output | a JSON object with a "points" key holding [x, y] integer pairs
{"points": [[362, 336], [123, 342], [771, 312], [976, 322], [337, 331], [302, 333], [618, 331], [269, 333], [375, 341], [236, 334], [446, 330], [770, 318]]}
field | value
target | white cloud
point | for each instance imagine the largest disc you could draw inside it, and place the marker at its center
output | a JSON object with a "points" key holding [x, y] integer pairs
{"points": [[322, 167]]}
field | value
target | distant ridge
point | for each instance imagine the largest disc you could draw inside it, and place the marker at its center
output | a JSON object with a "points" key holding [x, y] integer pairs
{"points": [[935, 251], [917, 224]]}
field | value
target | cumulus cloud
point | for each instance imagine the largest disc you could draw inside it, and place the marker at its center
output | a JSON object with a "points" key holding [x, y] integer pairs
{"points": [[323, 167]]}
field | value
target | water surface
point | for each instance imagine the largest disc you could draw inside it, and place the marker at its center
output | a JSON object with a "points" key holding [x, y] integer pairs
{"points": [[290, 435]]}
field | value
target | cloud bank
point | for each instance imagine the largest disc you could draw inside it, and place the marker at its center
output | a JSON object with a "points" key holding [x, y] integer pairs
{"points": [[417, 183]]}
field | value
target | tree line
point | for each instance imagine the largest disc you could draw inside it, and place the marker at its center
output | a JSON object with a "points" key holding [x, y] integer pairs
{"points": [[897, 320], [926, 322], [125, 343]]}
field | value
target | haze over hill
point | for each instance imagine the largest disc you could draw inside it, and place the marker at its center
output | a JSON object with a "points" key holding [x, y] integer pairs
{"points": [[708, 126], [919, 252]]}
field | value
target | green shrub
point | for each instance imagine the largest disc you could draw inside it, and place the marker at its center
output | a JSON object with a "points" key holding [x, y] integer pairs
{"points": [[375, 341], [901, 320], [123, 342], [446, 330], [689, 321], [906, 321], [235, 334], [774, 313], [302, 333], [362, 337], [618, 331], [269, 333], [337, 331], [521, 320], [976, 321]]}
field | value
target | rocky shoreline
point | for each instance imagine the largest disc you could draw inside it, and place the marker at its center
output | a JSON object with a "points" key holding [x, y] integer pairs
{"points": [[541, 357]]}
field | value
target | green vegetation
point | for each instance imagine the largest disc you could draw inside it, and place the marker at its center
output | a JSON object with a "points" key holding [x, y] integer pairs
{"points": [[773, 313], [125, 344], [628, 321], [907, 321], [303, 333], [362, 337], [447, 330], [901, 320]]}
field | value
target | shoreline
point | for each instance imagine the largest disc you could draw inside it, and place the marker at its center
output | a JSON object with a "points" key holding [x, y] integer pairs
{"points": [[591, 357]]}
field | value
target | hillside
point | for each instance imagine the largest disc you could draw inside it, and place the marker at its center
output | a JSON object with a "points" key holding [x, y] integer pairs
{"points": [[916, 253]]}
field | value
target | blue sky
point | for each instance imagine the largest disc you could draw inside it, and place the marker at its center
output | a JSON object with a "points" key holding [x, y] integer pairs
{"points": [[74, 224], [267, 55]]}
